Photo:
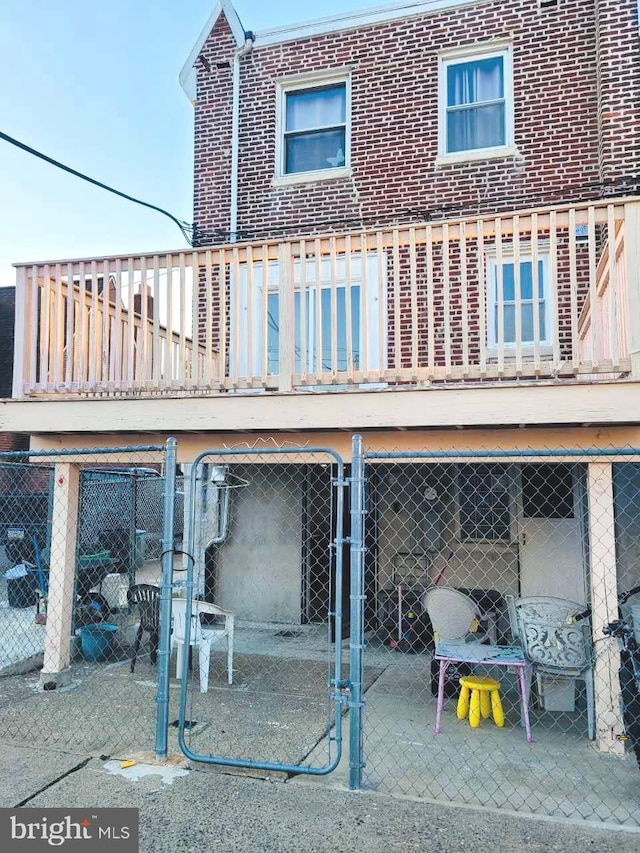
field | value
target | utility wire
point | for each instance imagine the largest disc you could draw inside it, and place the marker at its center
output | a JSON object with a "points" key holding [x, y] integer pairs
{"points": [[197, 237], [565, 194], [184, 227]]}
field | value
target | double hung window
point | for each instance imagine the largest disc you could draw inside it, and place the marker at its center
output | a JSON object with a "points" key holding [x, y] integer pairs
{"points": [[476, 103], [314, 127]]}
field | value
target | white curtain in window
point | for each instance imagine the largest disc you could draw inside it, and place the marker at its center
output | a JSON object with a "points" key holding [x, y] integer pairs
{"points": [[475, 104], [474, 82], [313, 108]]}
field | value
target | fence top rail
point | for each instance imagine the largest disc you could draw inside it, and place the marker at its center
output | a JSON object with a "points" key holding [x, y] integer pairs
{"points": [[85, 451], [188, 252], [582, 453], [268, 451]]}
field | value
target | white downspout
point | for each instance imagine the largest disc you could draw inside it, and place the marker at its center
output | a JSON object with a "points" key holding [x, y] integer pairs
{"points": [[246, 49]]}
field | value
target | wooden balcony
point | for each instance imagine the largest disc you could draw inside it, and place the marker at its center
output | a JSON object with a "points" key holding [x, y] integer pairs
{"points": [[527, 295]]}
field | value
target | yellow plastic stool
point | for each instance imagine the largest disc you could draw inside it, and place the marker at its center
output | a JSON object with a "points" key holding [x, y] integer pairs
{"points": [[480, 698]]}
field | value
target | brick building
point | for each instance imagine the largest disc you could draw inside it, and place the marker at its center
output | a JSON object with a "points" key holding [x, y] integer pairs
{"points": [[8, 440], [420, 223], [414, 114], [566, 82]]}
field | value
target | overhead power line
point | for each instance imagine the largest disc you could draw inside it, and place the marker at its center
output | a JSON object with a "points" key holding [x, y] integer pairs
{"points": [[185, 227]]}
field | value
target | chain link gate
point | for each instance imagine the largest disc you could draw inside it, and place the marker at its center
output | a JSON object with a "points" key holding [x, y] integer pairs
{"points": [[259, 627], [71, 555], [501, 563]]}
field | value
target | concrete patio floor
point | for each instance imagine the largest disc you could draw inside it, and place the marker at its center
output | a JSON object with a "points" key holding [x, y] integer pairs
{"points": [[20, 637], [560, 774], [206, 809], [278, 710]]}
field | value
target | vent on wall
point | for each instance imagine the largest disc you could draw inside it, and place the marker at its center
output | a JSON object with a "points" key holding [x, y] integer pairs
{"points": [[543, 5]]}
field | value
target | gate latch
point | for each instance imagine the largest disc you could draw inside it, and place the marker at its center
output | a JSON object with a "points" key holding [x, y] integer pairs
{"points": [[340, 695]]}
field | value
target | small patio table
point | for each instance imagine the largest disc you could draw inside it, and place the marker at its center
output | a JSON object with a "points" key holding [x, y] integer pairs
{"points": [[478, 653]]}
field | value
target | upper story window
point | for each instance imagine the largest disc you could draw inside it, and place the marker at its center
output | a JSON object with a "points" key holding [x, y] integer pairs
{"points": [[476, 104], [314, 128]]}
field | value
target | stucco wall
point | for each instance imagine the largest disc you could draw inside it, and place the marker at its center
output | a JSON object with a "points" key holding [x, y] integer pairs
{"points": [[259, 566]]}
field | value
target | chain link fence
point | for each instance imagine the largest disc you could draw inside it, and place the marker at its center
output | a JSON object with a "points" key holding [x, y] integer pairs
{"points": [[490, 580], [491, 585], [71, 554], [267, 629]]}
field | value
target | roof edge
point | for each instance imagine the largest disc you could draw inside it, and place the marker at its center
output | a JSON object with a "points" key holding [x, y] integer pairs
{"points": [[188, 76], [357, 18]]}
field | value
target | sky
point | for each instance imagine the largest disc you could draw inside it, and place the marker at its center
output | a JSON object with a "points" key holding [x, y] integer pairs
{"points": [[95, 85]]}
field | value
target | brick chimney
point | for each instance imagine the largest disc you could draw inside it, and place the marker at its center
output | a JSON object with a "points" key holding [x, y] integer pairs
{"points": [[137, 301]]}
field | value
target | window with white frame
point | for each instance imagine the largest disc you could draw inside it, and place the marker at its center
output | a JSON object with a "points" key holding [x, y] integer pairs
{"points": [[476, 102], [314, 127], [330, 324], [512, 303]]}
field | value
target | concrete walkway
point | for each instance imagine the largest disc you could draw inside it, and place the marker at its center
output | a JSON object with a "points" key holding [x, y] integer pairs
{"points": [[206, 810]]}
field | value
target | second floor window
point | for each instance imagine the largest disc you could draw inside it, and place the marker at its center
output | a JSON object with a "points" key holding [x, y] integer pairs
{"points": [[314, 128], [476, 103]]}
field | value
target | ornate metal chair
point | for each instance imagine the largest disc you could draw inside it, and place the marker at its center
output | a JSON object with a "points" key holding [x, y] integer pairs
{"points": [[554, 643]]}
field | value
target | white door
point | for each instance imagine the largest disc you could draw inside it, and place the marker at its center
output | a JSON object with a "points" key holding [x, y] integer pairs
{"points": [[551, 558], [551, 552]]}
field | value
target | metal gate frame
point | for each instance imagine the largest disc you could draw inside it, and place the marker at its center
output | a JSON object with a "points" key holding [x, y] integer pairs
{"points": [[341, 687]]}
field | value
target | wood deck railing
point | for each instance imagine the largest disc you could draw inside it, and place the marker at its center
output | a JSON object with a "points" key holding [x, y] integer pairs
{"points": [[604, 333], [525, 295]]}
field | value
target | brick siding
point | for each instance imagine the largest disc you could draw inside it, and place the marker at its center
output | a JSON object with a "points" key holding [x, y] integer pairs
{"points": [[576, 85], [560, 99]]}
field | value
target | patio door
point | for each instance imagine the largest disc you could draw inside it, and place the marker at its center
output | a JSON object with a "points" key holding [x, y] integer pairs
{"points": [[331, 323]]}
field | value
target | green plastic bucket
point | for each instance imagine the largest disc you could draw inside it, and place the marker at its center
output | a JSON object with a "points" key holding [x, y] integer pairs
{"points": [[97, 640]]}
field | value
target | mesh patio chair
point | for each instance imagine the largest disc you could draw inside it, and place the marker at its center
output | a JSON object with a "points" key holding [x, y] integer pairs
{"points": [[555, 644], [513, 617], [454, 616], [202, 636], [146, 598]]}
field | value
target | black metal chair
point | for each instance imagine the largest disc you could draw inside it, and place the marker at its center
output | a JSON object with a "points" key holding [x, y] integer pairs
{"points": [[146, 598]]}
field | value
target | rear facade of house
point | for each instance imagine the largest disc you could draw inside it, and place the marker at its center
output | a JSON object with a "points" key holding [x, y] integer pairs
{"points": [[416, 223]]}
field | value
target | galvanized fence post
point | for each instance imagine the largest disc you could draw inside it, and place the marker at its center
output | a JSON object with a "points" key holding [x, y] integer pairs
{"points": [[164, 643], [356, 597]]}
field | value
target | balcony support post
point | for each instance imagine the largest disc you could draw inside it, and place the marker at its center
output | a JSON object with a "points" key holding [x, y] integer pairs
{"points": [[604, 607], [62, 575]]}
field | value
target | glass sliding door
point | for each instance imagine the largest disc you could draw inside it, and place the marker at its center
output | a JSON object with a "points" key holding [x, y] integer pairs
{"points": [[324, 311]]}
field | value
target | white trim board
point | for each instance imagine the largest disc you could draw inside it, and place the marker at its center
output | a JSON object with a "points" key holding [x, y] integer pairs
{"points": [[188, 75], [360, 18]]}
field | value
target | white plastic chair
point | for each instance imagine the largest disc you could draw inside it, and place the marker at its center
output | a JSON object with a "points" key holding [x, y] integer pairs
{"points": [[202, 637], [555, 644], [453, 614]]}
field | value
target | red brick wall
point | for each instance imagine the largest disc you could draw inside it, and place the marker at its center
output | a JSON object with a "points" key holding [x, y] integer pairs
{"points": [[212, 145], [618, 58], [576, 80], [558, 100], [11, 441]]}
